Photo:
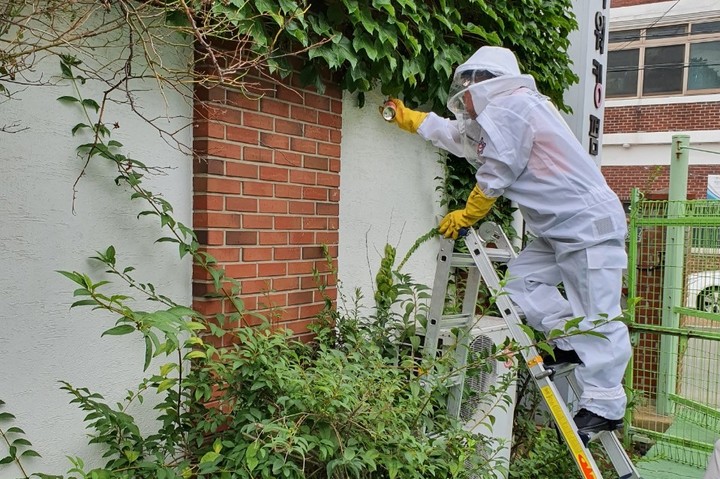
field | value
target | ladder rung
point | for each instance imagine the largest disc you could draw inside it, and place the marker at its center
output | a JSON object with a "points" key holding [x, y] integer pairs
{"points": [[465, 260]]}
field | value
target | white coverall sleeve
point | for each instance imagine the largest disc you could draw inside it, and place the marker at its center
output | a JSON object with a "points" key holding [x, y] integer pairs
{"points": [[442, 133], [507, 151]]}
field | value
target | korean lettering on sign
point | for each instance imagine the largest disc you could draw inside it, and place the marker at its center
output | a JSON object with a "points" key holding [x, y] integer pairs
{"points": [[597, 72]]}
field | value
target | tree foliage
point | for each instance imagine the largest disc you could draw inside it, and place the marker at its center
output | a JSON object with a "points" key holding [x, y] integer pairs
{"points": [[407, 48]]}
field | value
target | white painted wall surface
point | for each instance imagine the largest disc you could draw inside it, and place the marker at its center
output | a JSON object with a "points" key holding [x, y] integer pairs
{"points": [[42, 341], [387, 195]]}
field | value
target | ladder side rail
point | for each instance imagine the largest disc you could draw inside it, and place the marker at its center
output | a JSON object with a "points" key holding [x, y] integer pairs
{"points": [[437, 298], [462, 344], [584, 460]]}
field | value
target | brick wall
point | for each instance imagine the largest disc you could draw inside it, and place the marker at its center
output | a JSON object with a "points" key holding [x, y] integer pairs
{"points": [[669, 117], [656, 178], [266, 196]]}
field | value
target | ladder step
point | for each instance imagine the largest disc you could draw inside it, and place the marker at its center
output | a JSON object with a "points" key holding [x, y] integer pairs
{"points": [[465, 260]]}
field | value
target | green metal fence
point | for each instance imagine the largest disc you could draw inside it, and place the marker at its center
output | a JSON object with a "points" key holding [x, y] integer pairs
{"points": [[674, 284]]}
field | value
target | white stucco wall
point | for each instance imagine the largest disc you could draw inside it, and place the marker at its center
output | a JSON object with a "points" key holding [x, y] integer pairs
{"points": [[387, 195], [42, 341]]}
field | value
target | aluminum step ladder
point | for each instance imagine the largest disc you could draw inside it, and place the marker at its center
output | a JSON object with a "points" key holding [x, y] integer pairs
{"points": [[480, 267]]}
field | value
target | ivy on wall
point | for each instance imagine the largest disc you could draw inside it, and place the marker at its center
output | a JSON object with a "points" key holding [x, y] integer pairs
{"points": [[407, 47]]}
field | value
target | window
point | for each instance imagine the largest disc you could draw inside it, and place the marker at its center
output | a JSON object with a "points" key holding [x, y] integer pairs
{"points": [[667, 60]]}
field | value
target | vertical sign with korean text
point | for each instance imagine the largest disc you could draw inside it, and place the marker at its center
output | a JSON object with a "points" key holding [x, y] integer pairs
{"points": [[588, 51]]}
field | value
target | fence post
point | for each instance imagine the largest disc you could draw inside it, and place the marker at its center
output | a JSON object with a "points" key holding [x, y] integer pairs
{"points": [[673, 273]]}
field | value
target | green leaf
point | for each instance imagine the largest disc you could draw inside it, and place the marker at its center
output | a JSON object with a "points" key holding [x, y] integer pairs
{"points": [[90, 103], [209, 457], [6, 416], [67, 99], [119, 330], [84, 302]]}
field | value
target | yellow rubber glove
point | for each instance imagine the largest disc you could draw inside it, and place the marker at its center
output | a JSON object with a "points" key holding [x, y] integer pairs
{"points": [[476, 208], [407, 119]]}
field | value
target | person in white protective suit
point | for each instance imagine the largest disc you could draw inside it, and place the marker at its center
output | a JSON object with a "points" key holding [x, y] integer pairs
{"points": [[524, 150], [713, 466]]}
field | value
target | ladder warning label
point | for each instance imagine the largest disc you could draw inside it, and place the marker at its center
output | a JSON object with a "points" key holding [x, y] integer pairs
{"points": [[566, 430]]}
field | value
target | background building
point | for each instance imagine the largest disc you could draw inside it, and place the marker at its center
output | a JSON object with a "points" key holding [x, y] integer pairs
{"points": [[663, 78]]}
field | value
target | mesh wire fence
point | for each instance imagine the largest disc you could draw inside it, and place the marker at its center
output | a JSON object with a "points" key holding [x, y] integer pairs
{"points": [[674, 275]]}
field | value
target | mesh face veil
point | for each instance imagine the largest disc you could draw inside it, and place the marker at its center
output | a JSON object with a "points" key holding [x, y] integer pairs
{"points": [[461, 82]]}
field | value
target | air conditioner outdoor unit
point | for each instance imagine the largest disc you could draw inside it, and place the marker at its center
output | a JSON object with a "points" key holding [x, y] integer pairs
{"points": [[488, 398]]}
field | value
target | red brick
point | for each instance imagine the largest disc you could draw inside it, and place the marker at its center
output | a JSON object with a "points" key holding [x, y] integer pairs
{"points": [[257, 254], [208, 129], [288, 127], [255, 120], [316, 162], [303, 177], [216, 185], [300, 297], [241, 204], [273, 238], [326, 179], [242, 170], [329, 119], [304, 114], [272, 140], [209, 166], [301, 207], [327, 209], [288, 223], [327, 149], [252, 188], [273, 206], [284, 284], [210, 237], [274, 107], [208, 202], [317, 133], [319, 102], [252, 286], [315, 223], [217, 148], [288, 94], [241, 237], [207, 308], [270, 173], [272, 269], [286, 158], [241, 100], [304, 237], [312, 252], [310, 193], [224, 254], [257, 222], [288, 191], [282, 254], [300, 267], [328, 238], [336, 107], [218, 220], [305, 146], [242, 270], [242, 135], [257, 154]]}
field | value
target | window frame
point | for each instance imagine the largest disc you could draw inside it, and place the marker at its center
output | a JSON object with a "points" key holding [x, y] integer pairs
{"points": [[686, 39]]}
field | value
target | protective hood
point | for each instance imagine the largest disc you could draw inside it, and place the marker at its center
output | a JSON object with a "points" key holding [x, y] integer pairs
{"points": [[499, 63], [496, 60]]}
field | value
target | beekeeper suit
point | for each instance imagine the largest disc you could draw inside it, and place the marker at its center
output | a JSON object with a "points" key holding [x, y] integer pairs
{"points": [[523, 150]]}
